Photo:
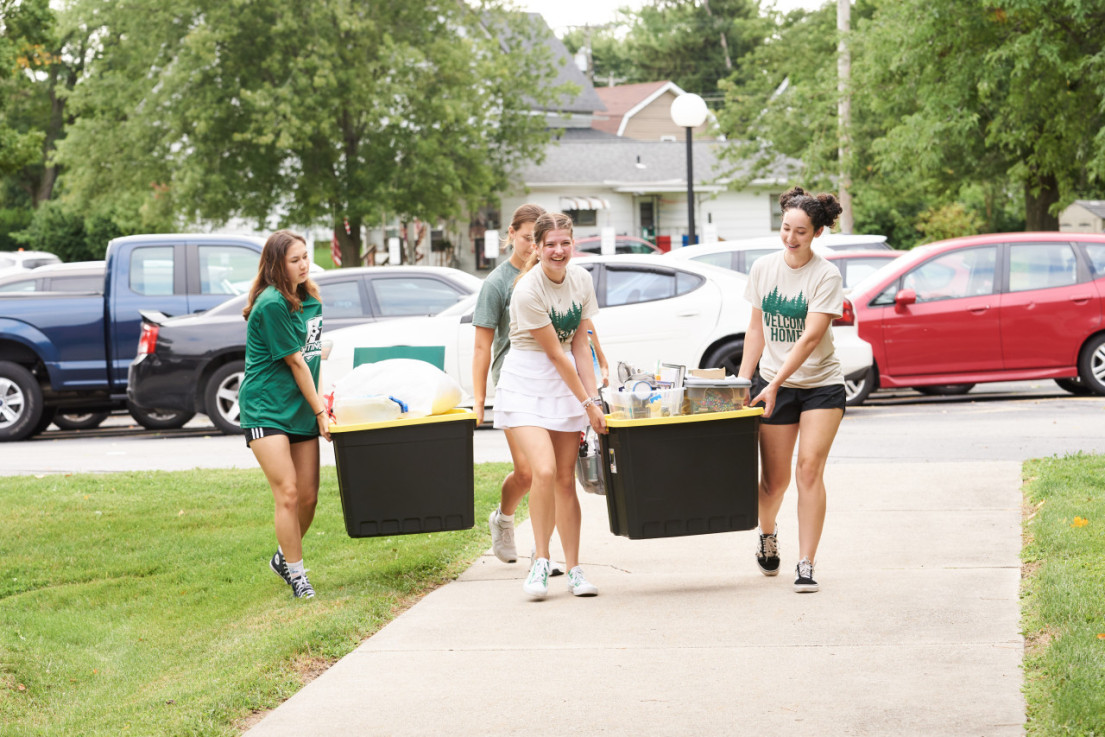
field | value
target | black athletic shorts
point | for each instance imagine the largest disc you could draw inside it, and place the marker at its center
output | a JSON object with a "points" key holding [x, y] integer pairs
{"points": [[256, 433], [790, 403]]}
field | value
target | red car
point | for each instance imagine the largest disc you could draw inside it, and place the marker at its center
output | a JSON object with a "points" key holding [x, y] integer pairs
{"points": [[996, 307]]}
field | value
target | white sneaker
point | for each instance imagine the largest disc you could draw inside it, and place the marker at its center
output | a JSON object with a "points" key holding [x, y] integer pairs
{"points": [[537, 582], [554, 567], [502, 537], [580, 586]]}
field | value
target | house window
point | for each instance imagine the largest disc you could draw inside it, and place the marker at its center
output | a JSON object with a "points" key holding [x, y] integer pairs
{"points": [[776, 211], [583, 217]]}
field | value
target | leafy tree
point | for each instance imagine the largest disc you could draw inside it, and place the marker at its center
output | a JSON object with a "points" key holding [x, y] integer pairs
{"points": [[610, 59], [781, 112], [19, 36], [969, 92], [295, 112], [695, 43]]}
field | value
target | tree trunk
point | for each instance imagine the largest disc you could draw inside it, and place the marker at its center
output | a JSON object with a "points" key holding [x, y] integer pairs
{"points": [[1040, 193], [350, 242], [56, 123]]}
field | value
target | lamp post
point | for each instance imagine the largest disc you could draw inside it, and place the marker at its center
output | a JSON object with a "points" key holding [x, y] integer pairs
{"points": [[689, 111]]}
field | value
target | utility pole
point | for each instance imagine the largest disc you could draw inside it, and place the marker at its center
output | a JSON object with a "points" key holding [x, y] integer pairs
{"points": [[844, 111]]}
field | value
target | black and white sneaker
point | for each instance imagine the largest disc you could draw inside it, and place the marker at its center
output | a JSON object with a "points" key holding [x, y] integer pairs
{"points": [[302, 588], [279, 566], [803, 579], [767, 553]]}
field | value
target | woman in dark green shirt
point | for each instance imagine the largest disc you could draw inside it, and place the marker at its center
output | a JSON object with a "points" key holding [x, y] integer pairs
{"points": [[282, 413]]}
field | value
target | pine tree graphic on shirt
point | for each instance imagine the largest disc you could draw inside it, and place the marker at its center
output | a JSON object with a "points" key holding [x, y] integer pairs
{"points": [[784, 317], [566, 323]]}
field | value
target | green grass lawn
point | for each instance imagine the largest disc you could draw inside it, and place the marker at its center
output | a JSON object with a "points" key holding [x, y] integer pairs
{"points": [[1063, 595], [322, 256], [142, 603]]}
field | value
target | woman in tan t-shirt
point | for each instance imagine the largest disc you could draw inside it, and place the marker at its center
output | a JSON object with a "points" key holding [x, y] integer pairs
{"points": [[547, 392], [795, 295]]}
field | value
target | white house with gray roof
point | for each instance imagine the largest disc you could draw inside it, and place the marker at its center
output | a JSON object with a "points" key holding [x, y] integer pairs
{"points": [[640, 188], [1083, 216]]}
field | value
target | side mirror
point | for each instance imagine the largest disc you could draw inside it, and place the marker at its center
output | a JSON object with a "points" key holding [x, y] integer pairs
{"points": [[904, 299]]}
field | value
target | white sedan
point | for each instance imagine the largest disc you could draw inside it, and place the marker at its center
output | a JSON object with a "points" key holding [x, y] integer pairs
{"points": [[652, 309]]}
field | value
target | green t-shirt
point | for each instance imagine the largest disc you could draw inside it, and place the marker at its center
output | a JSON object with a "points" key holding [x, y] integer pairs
{"points": [[493, 311], [269, 396]]}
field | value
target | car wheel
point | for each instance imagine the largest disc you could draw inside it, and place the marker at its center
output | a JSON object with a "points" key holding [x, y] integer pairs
{"points": [[220, 398], [856, 392], [1091, 364], [1074, 386], [21, 404], [159, 419], [44, 421], [79, 420], [944, 390], [726, 356]]}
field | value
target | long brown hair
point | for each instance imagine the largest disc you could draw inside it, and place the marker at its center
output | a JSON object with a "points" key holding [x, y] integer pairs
{"points": [[527, 213], [273, 271], [544, 225]]}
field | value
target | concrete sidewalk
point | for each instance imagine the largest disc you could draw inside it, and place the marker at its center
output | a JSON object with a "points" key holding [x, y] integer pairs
{"points": [[915, 630]]}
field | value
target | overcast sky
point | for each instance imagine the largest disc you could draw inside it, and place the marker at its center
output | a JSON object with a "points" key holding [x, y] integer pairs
{"points": [[560, 14]]}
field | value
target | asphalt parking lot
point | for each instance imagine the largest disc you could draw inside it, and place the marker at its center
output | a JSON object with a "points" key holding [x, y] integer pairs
{"points": [[1005, 421]]}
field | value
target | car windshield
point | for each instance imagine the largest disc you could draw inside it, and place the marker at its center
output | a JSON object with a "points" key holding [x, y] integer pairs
{"points": [[463, 307]]}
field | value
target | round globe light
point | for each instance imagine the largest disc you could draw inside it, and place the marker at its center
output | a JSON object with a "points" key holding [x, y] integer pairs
{"points": [[689, 111]]}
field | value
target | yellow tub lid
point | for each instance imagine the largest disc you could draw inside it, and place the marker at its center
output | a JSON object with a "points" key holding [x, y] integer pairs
{"points": [[681, 419], [450, 416]]}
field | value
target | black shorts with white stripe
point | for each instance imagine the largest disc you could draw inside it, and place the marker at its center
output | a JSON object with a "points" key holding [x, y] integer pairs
{"points": [[256, 433]]}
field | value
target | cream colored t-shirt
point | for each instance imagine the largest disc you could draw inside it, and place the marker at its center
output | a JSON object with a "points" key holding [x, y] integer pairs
{"points": [[786, 296], [539, 301]]}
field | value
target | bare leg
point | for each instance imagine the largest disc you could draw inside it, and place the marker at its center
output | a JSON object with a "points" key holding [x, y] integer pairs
{"points": [[305, 458], [817, 429], [274, 455], [776, 451], [568, 515], [517, 482], [536, 444]]}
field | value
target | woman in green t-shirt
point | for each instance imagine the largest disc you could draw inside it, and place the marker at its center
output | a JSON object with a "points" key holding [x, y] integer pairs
{"points": [[281, 412]]}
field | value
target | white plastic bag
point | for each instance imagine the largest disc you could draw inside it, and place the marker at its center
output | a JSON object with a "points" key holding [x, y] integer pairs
{"points": [[422, 387]]}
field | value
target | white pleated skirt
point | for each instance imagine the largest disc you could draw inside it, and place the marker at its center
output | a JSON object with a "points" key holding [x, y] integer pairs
{"points": [[531, 393]]}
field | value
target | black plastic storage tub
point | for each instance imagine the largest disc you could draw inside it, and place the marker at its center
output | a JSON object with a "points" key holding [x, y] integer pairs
{"points": [[406, 476], [682, 475]]}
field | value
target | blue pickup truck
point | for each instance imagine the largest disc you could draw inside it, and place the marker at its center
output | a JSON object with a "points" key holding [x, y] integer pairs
{"points": [[69, 352]]}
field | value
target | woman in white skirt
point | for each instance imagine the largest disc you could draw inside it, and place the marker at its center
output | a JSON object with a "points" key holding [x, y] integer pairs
{"points": [[544, 398]]}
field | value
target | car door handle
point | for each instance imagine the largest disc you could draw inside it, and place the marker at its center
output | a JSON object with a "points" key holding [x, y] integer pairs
{"points": [[689, 313], [1080, 299], [979, 310]]}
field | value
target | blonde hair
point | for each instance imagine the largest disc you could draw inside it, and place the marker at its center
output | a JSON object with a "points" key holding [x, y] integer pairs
{"points": [[547, 223], [273, 271]]}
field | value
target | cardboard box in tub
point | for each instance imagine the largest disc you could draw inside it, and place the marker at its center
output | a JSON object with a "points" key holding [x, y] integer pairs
{"points": [[406, 476]]}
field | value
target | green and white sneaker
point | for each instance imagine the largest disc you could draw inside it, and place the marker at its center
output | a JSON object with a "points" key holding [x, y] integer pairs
{"points": [[537, 582], [580, 586], [554, 567]]}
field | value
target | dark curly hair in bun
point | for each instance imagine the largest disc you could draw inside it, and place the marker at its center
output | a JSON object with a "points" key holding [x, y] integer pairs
{"points": [[823, 209]]}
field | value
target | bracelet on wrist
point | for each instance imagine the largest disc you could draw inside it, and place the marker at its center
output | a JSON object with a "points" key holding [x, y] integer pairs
{"points": [[320, 412], [587, 402]]}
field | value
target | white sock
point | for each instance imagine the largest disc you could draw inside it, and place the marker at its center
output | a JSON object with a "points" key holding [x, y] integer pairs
{"points": [[295, 570], [505, 517]]}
